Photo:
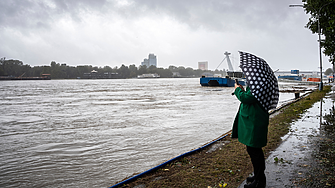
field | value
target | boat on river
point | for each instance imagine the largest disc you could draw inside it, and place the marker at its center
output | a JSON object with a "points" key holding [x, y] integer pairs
{"points": [[155, 75], [290, 77], [221, 81], [299, 78], [293, 76], [226, 81]]}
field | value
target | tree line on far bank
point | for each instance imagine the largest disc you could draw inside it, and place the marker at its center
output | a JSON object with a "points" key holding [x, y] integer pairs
{"points": [[16, 68]]}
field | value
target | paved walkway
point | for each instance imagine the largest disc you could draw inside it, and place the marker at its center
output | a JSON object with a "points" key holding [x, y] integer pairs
{"points": [[292, 159]]}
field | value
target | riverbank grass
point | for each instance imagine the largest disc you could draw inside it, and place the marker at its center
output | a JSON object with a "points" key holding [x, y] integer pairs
{"points": [[229, 164]]}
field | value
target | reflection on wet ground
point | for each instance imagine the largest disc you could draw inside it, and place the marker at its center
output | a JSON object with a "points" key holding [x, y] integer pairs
{"points": [[321, 167], [308, 146]]}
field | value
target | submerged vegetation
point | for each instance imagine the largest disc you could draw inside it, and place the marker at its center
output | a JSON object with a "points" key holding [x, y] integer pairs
{"points": [[229, 164]]}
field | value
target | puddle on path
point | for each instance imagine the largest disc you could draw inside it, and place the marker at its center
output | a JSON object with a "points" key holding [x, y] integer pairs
{"points": [[292, 158]]}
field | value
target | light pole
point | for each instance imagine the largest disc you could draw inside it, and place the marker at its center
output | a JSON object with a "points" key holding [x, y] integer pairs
{"points": [[319, 31]]}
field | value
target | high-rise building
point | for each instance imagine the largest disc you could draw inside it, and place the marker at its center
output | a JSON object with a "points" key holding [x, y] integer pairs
{"points": [[203, 65], [145, 62], [152, 60]]}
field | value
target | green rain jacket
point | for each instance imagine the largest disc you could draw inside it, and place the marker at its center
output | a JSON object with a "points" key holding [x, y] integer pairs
{"points": [[251, 121]]}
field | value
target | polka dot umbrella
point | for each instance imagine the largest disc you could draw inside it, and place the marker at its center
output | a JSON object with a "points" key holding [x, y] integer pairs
{"points": [[261, 80]]}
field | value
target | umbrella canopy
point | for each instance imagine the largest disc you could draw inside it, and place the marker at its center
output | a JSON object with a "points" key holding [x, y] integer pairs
{"points": [[261, 80]]}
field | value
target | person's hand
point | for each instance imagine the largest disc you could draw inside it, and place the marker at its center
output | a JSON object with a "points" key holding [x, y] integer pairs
{"points": [[240, 86]]}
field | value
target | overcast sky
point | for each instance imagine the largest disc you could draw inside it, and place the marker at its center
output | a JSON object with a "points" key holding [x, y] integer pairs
{"points": [[178, 32]]}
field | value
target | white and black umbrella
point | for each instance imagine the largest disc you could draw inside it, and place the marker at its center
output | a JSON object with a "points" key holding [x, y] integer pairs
{"points": [[261, 80]]}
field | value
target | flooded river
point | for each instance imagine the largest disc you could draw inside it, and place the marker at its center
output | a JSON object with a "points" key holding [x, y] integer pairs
{"points": [[92, 133]]}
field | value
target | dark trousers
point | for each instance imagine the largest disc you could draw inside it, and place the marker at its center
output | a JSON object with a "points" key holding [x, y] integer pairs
{"points": [[258, 162]]}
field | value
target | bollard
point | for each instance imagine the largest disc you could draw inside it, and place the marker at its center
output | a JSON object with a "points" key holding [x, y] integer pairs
{"points": [[296, 95]]}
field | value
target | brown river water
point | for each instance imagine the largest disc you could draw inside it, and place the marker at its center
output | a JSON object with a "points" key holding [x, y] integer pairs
{"points": [[92, 133]]}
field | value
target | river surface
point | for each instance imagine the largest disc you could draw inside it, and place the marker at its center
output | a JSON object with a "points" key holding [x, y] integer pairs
{"points": [[92, 133]]}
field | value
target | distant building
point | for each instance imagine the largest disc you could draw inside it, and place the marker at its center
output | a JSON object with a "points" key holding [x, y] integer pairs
{"points": [[152, 60], [203, 65], [145, 62], [96, 75]]}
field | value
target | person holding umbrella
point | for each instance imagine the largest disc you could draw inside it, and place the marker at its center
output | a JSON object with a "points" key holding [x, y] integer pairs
{"points": [[252, 119]]}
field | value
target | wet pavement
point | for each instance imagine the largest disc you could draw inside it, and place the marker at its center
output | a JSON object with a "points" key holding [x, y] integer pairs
{"points": [[292, 160]]}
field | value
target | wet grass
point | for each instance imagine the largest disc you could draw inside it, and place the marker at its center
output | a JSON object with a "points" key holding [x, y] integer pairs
{"points": [[280, 124], [230, 164]]}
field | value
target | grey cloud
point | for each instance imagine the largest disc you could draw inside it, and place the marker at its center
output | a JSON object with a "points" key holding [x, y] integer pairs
{"points": [[256, 25], [36, 14], [222, 15], [215, 15], [12, 13]]}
